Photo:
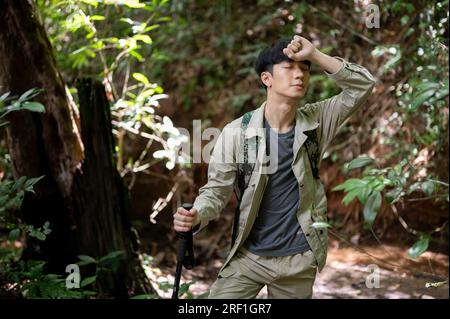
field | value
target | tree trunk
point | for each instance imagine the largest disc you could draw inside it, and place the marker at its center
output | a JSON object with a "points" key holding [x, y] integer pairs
{"points": [[84, 201], [99, 194]]}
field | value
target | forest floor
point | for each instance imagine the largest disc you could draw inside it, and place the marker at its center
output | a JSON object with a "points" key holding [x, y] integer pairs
{"points": [[347, 270]]}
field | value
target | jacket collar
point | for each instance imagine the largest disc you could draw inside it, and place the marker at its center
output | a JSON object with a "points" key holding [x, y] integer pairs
{"points": [[302, 123]]}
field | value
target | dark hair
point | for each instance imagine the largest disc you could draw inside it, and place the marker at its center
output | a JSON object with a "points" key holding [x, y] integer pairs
{"points": [[273, 54]]}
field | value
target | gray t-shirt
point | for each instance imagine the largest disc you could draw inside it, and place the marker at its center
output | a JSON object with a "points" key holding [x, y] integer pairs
{"points": [[276, 231]]}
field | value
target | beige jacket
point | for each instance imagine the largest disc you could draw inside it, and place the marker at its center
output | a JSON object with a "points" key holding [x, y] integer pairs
{"points": [[326, 116]]}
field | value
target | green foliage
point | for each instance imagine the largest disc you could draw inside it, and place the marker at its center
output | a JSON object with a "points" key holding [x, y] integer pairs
{"points": [[394, 184], [419, 246], [33, 282], [27, 279], [10, 104], [359, 162], [175, 45], [11, 198], [371, 207], [416, 132], [103, 267], [423, 98], [111, 40], [110, 31], [167, 286], [430, 92], [12, 192]]}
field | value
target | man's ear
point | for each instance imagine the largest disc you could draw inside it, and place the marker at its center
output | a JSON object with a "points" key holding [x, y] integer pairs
{"points": [[266, 78]]}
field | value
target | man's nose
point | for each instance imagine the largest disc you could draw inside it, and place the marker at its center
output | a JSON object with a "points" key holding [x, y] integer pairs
{"points": [[298, 74]]}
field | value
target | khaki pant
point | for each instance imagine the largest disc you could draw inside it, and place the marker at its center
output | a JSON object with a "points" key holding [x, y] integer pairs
{"points": [[287, 277]]}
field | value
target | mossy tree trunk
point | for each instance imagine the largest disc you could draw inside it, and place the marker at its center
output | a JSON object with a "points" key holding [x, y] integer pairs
{"points": [[82, 195]]}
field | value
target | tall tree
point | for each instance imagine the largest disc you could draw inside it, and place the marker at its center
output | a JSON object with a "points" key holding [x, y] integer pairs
{"points": [[81, 195]]}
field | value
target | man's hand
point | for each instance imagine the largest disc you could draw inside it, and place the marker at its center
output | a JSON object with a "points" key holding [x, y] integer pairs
{"points": [[184, 220], [300, 49]]}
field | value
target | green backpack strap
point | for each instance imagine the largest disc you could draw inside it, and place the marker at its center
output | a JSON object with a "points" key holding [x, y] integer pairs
{"points": [[245, 169], [244, 172]]}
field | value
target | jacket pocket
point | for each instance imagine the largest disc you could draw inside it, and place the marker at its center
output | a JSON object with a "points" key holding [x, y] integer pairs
{"points": [[227, 272]]}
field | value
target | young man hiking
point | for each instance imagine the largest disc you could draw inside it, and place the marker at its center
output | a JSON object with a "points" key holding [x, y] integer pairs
{"points": [[275, 243]]}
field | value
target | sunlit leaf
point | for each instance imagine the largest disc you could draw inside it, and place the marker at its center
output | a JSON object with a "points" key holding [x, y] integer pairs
{"points": [[86, 260], [133, 3], [33, 106], [143, 37], [364, 194], [29, 94], [351, 195], [97, 18], [141, 78], [421, 98], [424, 86], [93, 3], [428, 188], [137, 55], [371, 208], [360, 162], [88, 281], [152, 27], [350, 184], [419, 246]]}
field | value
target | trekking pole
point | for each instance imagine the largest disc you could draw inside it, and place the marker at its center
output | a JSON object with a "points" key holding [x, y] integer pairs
{"points": [[185, 254]]}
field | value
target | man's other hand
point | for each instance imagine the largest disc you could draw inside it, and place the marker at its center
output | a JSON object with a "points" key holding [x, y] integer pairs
{"points": [[184, 220]]}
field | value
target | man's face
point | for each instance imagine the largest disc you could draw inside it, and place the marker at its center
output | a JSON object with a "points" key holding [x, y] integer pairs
{"points": [[290, 79]]}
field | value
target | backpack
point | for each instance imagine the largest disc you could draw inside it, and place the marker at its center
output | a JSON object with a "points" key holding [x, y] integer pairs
{"points": [[245, 170]]}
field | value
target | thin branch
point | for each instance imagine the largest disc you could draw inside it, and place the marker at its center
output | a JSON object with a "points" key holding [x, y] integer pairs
{"points": [[162, 203], [125, 82], [403, 223], [341, 25], [387, 264], [437, 182], [425, 198], [137, 132]]}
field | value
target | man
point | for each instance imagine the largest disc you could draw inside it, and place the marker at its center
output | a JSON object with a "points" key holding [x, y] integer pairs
{"points": [[278, 243]]}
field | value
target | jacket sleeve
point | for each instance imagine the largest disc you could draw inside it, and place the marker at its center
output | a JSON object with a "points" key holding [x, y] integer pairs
{"points": [[356, 83], [222, 170]]}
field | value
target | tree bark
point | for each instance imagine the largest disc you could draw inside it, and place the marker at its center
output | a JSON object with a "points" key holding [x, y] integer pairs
{"points": [[99, 193], [84, 201]]}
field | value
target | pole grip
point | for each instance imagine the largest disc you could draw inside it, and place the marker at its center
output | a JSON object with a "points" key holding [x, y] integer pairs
{"points": [[185, 253]]}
